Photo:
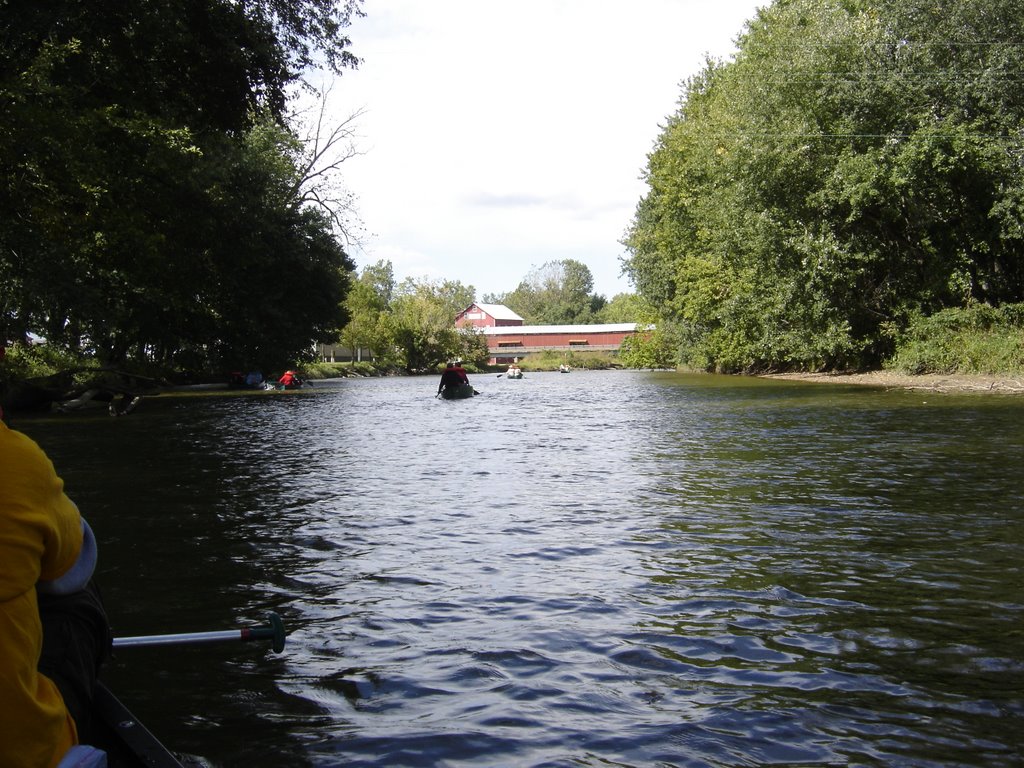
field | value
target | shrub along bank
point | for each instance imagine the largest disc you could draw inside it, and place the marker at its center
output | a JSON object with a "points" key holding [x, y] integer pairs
{"points": [[979, 339]]}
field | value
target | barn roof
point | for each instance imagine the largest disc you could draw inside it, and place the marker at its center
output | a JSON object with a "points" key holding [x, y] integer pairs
{"points": [[499, 312]]}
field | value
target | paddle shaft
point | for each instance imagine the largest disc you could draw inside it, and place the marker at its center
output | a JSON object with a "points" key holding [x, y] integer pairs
{"points": [[275, 631]]}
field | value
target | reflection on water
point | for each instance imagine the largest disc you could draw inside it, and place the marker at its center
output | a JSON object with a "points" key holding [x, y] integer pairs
{"points": [[588, 569]]}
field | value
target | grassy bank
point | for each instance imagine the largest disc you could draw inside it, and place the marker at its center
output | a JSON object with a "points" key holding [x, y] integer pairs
{"points": [[976, 340]]}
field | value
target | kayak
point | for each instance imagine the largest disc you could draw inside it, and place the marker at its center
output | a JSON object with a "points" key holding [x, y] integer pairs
{"points": [[127, 742], [459, 392]]}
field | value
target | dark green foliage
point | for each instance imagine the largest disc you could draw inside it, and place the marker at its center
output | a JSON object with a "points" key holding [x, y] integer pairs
{"points": [[858, 165], [28, 361], [144, 179]]}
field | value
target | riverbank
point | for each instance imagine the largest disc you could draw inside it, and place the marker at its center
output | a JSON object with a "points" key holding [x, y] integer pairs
{"points": [[932, 382]]}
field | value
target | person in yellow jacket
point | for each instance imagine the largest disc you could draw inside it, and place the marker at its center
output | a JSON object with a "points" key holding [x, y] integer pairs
{"points": [[53, 630]]}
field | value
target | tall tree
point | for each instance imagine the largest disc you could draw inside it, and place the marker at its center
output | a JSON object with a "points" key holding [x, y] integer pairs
{"points": [[325, 147], [367, 304], [857, 164], [625, 308], [423, 321], [557, 292], [129, 165]]}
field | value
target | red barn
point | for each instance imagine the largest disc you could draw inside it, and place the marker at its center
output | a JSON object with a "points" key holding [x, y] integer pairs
{"points": [[487, 316]]}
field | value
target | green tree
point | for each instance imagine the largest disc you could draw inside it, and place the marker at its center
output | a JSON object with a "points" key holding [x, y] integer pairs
{"points": [[856, 165], [144, 161], [367, 303], [624, 308], [556, 293], [422, 321], [652, 347], [473, 348]]}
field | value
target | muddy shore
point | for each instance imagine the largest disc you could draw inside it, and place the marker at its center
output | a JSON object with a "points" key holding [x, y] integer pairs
{"points": [[1005, 384]]}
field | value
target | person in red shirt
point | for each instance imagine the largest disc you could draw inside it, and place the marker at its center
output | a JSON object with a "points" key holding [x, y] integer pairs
{"points": [[461, 372], [450, 378]]}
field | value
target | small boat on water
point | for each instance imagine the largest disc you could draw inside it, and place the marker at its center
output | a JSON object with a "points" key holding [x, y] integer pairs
{"points": [[290, 380], [127, 742], [458, 393], [514, 373]]}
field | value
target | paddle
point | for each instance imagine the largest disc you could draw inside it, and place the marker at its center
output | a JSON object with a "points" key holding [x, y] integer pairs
{"points": [[273, 631]]}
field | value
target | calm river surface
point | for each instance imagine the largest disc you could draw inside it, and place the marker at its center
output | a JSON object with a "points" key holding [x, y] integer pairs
{"points": [[592, 569]]}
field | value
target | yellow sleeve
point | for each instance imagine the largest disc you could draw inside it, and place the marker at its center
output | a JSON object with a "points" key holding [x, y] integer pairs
{"points": [[40, 528], [40, 537]]}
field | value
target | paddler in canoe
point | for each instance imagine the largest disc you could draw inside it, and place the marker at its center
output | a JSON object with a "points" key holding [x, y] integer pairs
{"points": [[54, 634], [454, 382], [290, 380]]}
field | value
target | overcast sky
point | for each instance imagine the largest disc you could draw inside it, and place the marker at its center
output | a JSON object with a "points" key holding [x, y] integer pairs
{"points": [[501, 135]]}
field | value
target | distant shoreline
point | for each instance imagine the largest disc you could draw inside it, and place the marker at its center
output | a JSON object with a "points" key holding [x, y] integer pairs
{"points": [[932, 382]]}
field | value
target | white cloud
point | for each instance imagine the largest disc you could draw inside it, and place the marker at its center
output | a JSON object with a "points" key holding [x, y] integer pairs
{"points": [[499, 135]]}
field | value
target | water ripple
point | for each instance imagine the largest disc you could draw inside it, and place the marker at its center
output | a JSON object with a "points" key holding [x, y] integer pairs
{"points": [[598, 569]]}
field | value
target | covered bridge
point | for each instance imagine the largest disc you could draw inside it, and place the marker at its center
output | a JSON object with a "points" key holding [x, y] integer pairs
{"points": [[508, 337], [508, 342]]}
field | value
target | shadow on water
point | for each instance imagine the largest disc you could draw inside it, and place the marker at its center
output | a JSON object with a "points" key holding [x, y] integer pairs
{"points": [[587, 569]]}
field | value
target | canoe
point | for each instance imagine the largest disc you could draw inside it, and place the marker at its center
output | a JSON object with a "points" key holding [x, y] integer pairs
{"points": [[459, 392], [127, 742]]}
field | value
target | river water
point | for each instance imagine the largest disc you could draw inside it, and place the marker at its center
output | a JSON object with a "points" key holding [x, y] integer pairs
{"points": [[592, 569]]}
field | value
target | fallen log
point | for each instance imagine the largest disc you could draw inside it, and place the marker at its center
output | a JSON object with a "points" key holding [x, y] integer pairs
{"points": [[69, 391]]}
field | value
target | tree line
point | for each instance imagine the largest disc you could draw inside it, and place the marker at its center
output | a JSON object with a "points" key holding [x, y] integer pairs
{"points": [[855, 171], [409, 324], [162, 209], [153, 193], [858, 166]]}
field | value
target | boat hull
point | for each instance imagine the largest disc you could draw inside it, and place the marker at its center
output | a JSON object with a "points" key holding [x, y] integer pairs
{"points": [[127, 742], [458, 393]]}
